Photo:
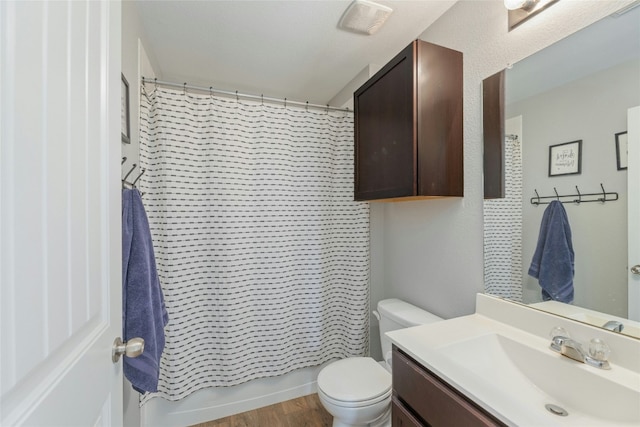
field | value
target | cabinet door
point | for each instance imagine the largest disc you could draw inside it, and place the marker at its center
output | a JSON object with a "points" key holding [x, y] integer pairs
{"points": [[437, 403], [439, 121], [493, 132], [385, 134]]}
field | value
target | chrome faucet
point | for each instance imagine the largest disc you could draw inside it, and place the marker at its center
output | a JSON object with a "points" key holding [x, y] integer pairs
{"points": [[596, 357], [613, 325]]}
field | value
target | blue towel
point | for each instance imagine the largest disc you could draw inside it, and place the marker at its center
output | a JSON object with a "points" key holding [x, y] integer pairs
{"points": [[143, 311], [553, 260]]}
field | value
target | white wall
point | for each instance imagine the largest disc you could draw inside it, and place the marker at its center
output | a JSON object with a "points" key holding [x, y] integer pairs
{"points": [[591, 109], [433, 250]]}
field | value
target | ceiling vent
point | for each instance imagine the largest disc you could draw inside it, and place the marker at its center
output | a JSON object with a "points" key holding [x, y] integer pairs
{"points": [[364, 17]]}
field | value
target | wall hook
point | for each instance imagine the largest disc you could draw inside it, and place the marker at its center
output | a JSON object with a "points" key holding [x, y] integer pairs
{"points": [[124, 159], [136, 180], [556, 191], [129, 173], [537, 202], [579, 199], [604, 194]]}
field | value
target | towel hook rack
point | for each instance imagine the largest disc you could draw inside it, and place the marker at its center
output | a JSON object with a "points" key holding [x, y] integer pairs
{"points": [[578, 198], [129, 184]]}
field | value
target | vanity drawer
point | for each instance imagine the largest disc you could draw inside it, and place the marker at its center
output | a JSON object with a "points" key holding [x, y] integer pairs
{"points": [[402, 417], [431, 399]]}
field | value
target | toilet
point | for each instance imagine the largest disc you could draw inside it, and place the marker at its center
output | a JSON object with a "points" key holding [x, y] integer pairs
{"points": [[356, 391]]}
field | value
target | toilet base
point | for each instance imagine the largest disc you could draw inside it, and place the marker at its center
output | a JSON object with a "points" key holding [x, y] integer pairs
{"points": [[383, 421]]}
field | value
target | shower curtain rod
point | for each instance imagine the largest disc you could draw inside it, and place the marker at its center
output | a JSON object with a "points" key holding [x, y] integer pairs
{"points": [[284, 101]]}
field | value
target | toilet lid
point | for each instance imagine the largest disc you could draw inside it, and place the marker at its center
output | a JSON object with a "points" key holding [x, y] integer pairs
{"points": [[354, 379]]}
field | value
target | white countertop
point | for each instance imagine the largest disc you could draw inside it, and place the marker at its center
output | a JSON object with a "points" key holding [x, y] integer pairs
{"points": [[485, 359]]}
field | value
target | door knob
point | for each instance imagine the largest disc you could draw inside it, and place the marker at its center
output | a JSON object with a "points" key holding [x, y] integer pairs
{"points": [[132, 348], [635, 269]]}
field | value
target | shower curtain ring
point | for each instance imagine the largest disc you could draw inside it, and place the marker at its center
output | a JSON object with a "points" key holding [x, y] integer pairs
{"points": [[184, 88], [307, 107], [285, 103], [237, 98]]}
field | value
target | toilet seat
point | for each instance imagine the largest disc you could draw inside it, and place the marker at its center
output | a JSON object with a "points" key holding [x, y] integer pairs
{"points": [[354, 382], [358, 404]]}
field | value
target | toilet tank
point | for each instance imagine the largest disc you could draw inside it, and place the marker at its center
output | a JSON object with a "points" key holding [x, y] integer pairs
{"points": [[397, 314]]}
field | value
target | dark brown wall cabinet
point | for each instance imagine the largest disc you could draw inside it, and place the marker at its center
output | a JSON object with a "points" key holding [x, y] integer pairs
{"points": [[493, 133], [422, 399], [408, 126]]}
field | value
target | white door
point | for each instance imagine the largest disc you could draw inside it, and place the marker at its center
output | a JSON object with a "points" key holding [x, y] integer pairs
{"points": [[633, 186], [60, 238]]}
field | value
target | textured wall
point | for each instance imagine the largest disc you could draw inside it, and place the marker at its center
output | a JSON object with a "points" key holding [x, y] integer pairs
{"points": [[432, 250]]}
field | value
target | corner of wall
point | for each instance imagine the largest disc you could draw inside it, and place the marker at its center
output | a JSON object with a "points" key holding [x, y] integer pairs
{"points": [[344, 98]]}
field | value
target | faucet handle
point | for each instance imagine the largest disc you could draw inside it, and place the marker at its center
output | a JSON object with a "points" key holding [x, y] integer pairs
{"points": [[558, 331], [558, 336], [599, 350]]}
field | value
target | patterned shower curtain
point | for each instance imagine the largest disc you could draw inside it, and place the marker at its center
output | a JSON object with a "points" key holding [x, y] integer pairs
{"points": [[262, 253], [503, 230]]}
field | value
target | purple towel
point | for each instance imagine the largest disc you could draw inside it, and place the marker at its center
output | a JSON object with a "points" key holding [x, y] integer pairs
{"points": [[143, 312], [553, 260]]}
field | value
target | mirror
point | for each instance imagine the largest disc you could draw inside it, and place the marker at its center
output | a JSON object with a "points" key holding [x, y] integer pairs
{"points": [[578, 89]]}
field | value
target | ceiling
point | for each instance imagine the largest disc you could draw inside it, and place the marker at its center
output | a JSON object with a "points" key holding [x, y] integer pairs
{"points": [[282, 49]]}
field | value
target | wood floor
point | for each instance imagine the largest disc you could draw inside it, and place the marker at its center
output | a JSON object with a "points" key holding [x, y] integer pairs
{"points": [[306, 411]]}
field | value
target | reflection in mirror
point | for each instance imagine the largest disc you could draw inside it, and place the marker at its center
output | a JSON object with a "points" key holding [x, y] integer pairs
{"points": [[578, 89]]}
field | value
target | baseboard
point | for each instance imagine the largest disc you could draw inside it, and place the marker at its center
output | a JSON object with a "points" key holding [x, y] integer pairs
{"points": [[215, 403]]}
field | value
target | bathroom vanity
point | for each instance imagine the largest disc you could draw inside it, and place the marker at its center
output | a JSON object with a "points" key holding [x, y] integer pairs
{"points": [[420, 398], [496, 368]]}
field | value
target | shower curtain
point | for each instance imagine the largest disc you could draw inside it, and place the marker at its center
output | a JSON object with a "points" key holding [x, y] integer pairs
{"points": [[262, 253], [503, 230]]}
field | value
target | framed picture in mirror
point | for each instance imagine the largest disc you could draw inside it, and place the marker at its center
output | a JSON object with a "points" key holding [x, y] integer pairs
{"points": [[621, 150], [124, 111], [566, 158]]}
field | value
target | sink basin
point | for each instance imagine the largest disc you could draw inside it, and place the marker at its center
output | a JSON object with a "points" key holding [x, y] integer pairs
{"points": [[538, 376]]}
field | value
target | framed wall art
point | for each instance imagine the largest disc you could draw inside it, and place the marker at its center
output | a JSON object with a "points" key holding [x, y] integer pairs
{"points": [[565, 159], [621, 150], [125, 127]]}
